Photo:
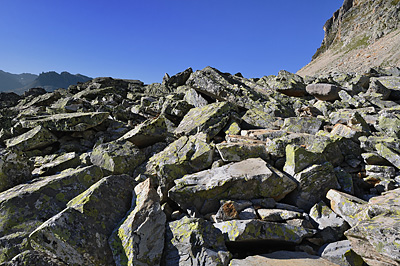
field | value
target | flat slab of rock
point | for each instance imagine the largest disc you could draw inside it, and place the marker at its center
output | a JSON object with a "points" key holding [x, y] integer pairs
{"points": [[323, 91], [257, 230], [209, 119], [248, 179], [67, 122], [60, 163], [278, 215], [287, 258], [148, 132], [35, 138]]}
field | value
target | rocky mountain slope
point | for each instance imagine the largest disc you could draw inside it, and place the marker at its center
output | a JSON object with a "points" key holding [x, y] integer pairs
{"points": [[50, 81], [360, 35], [207, 168]]}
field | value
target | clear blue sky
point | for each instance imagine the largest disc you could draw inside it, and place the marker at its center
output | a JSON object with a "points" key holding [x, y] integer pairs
{"points": [[145, 39]]}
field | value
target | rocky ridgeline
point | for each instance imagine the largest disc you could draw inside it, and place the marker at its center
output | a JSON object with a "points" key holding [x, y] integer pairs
{"points": [[207, 168]]}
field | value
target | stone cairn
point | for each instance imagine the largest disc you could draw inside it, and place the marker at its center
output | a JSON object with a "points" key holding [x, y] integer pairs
{"points": [[206, 168]]}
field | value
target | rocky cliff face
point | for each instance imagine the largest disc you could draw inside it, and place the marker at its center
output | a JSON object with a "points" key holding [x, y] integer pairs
{"points": [[207, 168], [360, 35]]}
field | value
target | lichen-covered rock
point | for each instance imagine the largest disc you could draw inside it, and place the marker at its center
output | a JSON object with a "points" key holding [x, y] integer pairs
{"points": [[278, 215], [36, 138], [259, 118], [314, 183], [236, 152], [341, 253], [194, 98], [371, 158], [149, 132], [323, 91], [15, 168], [347, 132], [194, 242], [387, 153], [248, 179], [25, 207], [376, 240], [58, 164], [298, 158], [329, 223], [309, 125], [139, 240], [67, 122], [184, 156], [389, 123], [178, 79], [289, 84], [79, 234], [379, 172], [350, 208], [33, 257], [117, 157], [350, 118], [226, 87], [288, 258], [209, 119], [257, 230]]}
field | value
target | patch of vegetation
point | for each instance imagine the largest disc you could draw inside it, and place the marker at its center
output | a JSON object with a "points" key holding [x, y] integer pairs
{"points": [[395, 2], [357, 43]]}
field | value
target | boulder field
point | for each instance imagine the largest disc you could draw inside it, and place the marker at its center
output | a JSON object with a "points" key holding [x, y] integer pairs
{"points": [[205, 168]]}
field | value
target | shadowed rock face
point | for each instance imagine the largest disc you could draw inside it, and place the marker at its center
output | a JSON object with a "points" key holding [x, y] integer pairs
{"points": [[360, 35]]}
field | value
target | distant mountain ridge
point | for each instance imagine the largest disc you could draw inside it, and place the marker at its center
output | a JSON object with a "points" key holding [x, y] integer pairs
{"points": [[11, 82], [49, 81]]}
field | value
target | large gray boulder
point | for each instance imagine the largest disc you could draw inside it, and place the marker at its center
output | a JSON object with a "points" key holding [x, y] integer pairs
{"points": [[350, 208], [186, 155], [248, 179], [117, 157], [79, 234], [194, 242], [376, 237], [139, 240], [313, 184], [226, 87], [209, 119], [149, 132], [323, 91], [27, 206]]}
